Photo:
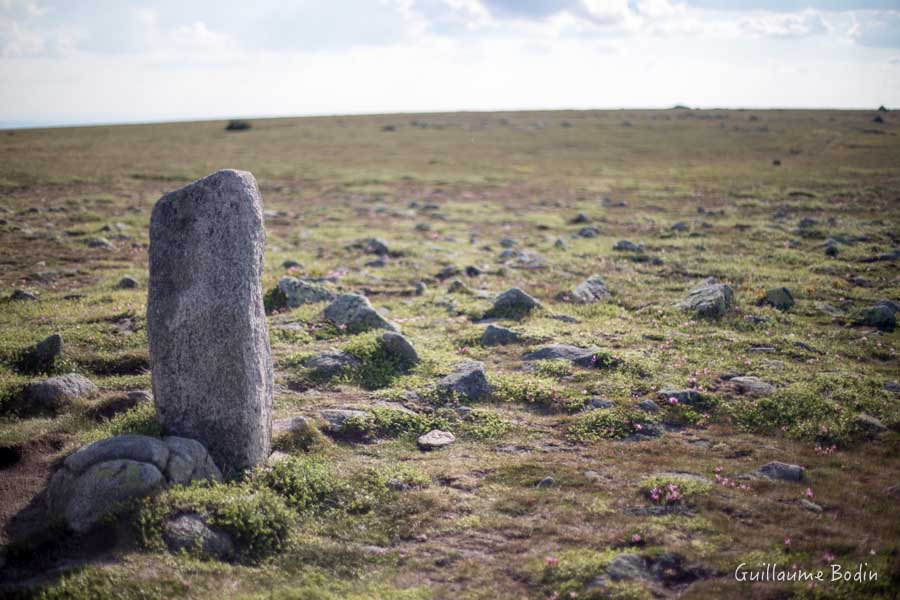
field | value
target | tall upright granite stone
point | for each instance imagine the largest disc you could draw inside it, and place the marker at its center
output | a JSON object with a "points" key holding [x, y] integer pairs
{"points": [[209, 342]]}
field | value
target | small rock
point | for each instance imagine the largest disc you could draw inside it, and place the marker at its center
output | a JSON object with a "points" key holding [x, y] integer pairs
{"points": [[290, 264], [522, 259], [127, 283], [684, 396], [507, 243], [627, 246], [435, 439], [868, 425], [588, 232], [892, 386], [473, 271], [53, 393], [589, 291], [377, 263], [289, 426], [355, 314], [753, 386], [780, 298], [191, 533], [882, 316], [336, 418], [19, 295], [626, 566], [580, 218], [467, 382], [330, 363], [599, 403], [372, 246], [42, 356], [512, 304], [447, 272], [458, 287], [583, 357], [100, 242], [546, 482], [399, 348], [810, 506], [495, 335], [420, 288], [648, 406], [709, 300], [680, 226], [828, 309], [780, 471], [298, 292]]}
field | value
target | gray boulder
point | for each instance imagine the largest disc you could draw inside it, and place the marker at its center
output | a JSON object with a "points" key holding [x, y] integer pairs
{"points": [[867, 425], [435, 439], [336, 418], [467, 382], [19, 295], [101, 478], [588, 232], [399, 348], [626, 566], [512, 304], [100, 242], [684, 396], [298, 292], [522, 259], [55, 392], [372, 246], [583, 357], [191, 533], [780, 298], [779, 471], [330, 363], [209, 343], [752, 386], [627, 246], [354, 314], [709, 300], [589, 291], [127, 283], [882, 316], [42, 356], [289, 426], [495, 335]]}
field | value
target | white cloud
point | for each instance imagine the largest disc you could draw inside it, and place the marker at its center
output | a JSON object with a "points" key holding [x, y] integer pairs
{"points": [[781, 25]]}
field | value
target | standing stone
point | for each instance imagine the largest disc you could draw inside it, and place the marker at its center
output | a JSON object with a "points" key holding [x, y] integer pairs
{"points": [[209, 342]]}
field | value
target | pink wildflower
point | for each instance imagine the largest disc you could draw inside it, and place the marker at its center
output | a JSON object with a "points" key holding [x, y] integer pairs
{"points": [[552, 561]]}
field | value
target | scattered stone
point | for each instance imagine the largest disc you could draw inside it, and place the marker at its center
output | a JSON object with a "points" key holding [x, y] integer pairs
{"points": [[435, 439], [546, 482], [190, 532], [684, 396], [127, 283], [354, 314], [779, 471], [626, 566], [467, 382], [780, 298], [828, 309], [42, 356], [810, 506], [648, 406], [209, 344], [892, 386], [290, 264], [512, 304], [100, 242], [599, 404], [473, 271], [371, 246], [583, 357], [458, 287], [377, 263], [588, 232], [882, 316], [420, 288], [831, 247], [627, 246], [680, 226], [54, 393], [709, 300], [400, 348], [752, 386], [495, 335], [336, 418], [868, 425], [330, 364], [298, 292], [580, 218], [19, 295], [289, 426], [589, 291], [507, 243], [522, 259], [447, 272], [102, 478]]}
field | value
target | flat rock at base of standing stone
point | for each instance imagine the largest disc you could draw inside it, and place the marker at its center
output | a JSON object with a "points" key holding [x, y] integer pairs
{"points": [[209, 344]]}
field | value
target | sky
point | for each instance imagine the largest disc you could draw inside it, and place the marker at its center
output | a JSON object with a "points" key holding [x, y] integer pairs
{"points": [[116, 61]]}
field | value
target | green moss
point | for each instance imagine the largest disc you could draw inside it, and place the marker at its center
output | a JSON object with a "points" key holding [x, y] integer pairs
{"points": [[99, 582], [307, 484], [612, 423], [377, 367], [527, 389], [554, 368], [258, 519], [483, 424], [673, 489], [572, 573], [139, 420]]}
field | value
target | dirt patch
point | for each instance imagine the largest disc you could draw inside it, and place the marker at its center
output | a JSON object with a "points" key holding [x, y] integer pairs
{"points": [[26, 469]]}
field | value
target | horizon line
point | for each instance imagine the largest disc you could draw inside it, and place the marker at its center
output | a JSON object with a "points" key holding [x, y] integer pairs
{"points": [[38, 125]]}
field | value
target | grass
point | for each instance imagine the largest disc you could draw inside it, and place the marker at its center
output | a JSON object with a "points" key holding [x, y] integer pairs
{"points": [[372, 516]]}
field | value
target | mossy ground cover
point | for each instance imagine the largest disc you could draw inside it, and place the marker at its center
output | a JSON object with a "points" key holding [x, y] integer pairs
{"points": [[372, 516]]}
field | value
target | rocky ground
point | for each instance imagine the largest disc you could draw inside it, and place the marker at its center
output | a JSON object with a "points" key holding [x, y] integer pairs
{"points": [[543, 355]]}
